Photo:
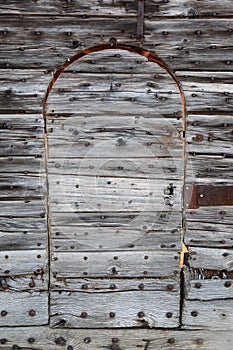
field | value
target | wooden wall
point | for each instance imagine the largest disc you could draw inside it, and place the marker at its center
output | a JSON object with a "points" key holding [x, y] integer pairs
{"points": [[195, 39]]}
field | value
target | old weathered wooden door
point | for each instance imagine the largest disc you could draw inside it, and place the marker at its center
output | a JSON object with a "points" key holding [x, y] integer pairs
{"points": [[114, 123]]}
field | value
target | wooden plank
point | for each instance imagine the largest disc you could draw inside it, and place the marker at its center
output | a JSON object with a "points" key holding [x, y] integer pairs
{"points": [[24, 309], [130, 339], [210, 215], [196, 44], [22, 165], [19, 208], [214, 314], [22, 186], [155, 307], [90, 285], [83, 193], [207, 289], [25, 262], [155, 8], [33, 283], [208, 169], [210, 258], [148, 264], [71, 238], [215, 235], [162, 221]]}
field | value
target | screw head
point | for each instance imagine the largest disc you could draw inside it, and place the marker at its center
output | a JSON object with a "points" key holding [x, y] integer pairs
{"points": [[227, 284], [84, 314], [141, 314], [4, 313], [169, 314], [194, 313], [198, 285], [87, 340], [112, 314], [32, 313]]}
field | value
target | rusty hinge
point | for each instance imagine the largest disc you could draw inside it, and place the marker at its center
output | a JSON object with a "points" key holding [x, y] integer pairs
{"points": [[208, 195], [140, 23]]}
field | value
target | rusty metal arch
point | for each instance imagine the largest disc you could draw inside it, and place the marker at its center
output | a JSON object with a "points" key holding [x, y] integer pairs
{"points": [[151, 57]]}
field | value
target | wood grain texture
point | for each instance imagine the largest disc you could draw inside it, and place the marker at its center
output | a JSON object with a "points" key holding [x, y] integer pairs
{"points": [[126, 306], [24, 309], [116, 264], [210, 258], [126, 339]]}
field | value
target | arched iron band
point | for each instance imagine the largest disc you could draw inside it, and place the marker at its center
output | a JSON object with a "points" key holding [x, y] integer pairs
{"points": [[151, 57]]}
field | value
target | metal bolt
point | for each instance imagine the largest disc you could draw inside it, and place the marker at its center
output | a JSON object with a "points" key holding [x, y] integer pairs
{"points": [[198, 285], [3, 341], [85, 286], [87, 340], [171, 341], [198, 138], [170, 287], [194, 313], [169, 314], [141, 286], [70, 347], [112, 314], [4, 313], [60, 341], [31, 340], [84, 314], [141, 314], [112, 286], [227, 284], [32, 313], [15, 347]]}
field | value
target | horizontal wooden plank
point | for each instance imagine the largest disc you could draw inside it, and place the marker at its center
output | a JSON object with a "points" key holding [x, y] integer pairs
{"points": [[207, 289], [155, 307], [210, 258], [22, 185], [211, 8], [167, 168], [214, 314], [211, 215], [25, 262], [208, 169], [183, 43], [87, 285], [91, 193], [24, 309], [22, 165], [208, 234], [130, 339], [70, 238], [162, 221], [159, 263], [22, 208]]}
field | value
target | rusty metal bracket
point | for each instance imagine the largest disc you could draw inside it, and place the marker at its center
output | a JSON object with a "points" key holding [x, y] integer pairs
{"points": [[208, 195], [140, 22]]}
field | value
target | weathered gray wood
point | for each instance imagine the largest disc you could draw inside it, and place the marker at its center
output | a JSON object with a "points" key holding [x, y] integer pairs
{"points": [[211, 215], [208, 289], [125, 264], [26, 309], [126, 306], [214, 314], [22, 185], [34, 283], [22, 165], [29, 208], [46, 338], [155, 8], [71, 238], [210, 258], [25, 262], [112, 285]]}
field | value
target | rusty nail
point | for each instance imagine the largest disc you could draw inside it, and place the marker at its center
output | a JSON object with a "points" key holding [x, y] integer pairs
{"points": [[15, 347], [87, 340], [169, 314], [227, 284], [4, 286], [141, 286], [198, 285], [31, 340], [170, 287], [194, 313], [3, 341], [84, 314], [4, 313], [171, 341], [85, 286], [198, 137], [112, 286], [70, 347], [60, 341], [115, 340], [32, 313], [141, 314], [112, 314]]}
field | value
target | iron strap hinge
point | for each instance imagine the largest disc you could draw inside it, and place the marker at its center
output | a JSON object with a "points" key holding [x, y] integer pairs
{"points": [[140, 23], [208, 195]]}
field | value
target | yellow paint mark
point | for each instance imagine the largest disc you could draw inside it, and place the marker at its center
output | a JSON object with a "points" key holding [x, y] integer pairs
{"points": [[184, 250]]}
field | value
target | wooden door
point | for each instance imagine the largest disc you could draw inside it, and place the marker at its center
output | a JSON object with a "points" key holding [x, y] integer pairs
{"points": [[114, 127]]}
